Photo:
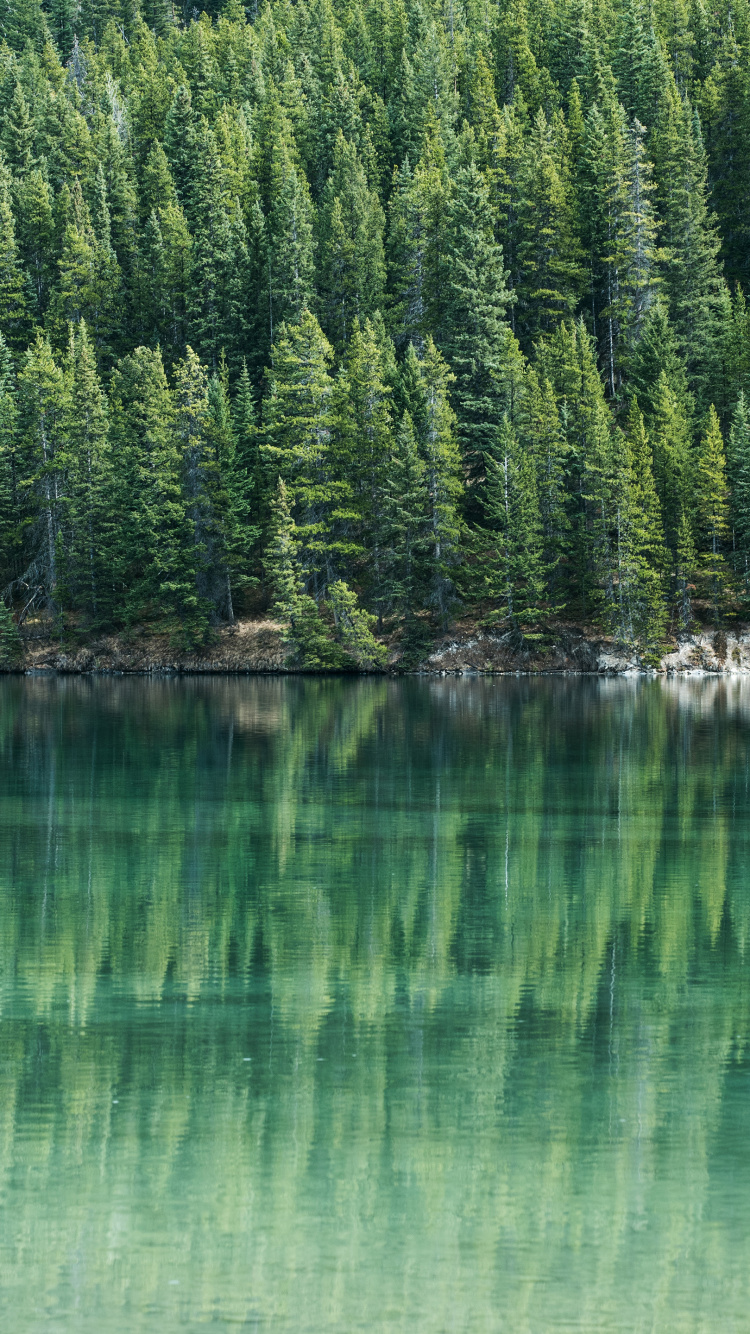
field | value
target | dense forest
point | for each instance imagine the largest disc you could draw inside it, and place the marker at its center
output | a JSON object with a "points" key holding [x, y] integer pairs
{"points": [[369, 313]]}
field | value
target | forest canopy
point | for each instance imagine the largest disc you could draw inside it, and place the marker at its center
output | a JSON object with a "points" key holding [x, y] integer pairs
{"points": [[368, 313]]}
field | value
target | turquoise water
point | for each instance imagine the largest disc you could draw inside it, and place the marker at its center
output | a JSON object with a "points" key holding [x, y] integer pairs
{"points": [[337, 1005]]}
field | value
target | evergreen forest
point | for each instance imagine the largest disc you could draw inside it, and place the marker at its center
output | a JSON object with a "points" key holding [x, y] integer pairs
{"points": [[371, 314]]}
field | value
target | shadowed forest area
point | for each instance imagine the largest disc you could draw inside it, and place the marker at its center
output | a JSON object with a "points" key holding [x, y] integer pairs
{"points": [[370, 315]]}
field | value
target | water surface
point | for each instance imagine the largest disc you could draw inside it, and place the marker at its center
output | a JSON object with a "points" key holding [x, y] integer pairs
{"points": [[337, 1005]]}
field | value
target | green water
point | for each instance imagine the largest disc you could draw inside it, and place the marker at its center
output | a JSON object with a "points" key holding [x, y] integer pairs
{"points": [[369, 1005]]}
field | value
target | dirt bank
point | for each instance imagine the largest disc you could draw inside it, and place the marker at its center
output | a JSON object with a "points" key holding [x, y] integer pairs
{"points": [[255, 646]]}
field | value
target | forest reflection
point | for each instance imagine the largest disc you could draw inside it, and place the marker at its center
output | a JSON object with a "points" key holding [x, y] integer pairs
{"points": [[360, 988]]}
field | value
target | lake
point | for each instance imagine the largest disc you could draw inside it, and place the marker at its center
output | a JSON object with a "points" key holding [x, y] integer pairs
{"points": [[369, 1004]]}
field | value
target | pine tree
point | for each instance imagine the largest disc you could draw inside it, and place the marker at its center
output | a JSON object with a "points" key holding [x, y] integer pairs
{"points": [[406, 532], [17, 139], [88, 542], [739, 475], [180, 145], [510, 545], [252, 485], [13, 324], [206, 499], [737, 345], [298, 429], [36, 239], [712, 514], [438, 449], [364, 439], [43, 403], [656, 352], [640, 63], [476, 339], [288, 243], [568, 361], [541, 433], [642, 554], [692, 277], [306, 635], [13, 508], [281, 564], [352, 265], [405, 301], [11, 647], [725, 101], [211, 258], [90, 282], [151, 575], [685, 570], [241, 527], [354, 628], [620, 232], [548, 247], [670, 434]]}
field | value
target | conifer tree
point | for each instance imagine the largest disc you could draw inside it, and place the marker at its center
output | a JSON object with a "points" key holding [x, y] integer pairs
{"points": [[476, 338], [511, 544], [725, 101], [251, 480], [11, 647], [282, 569], [43, 404], [672, 457], [542, 434], [642, 554], [288, 243], [13, 324], [13, 509], [548, 247], [241, 527], [364, 431], [620, 232], [685, 562], [712, 514], [739, 476], [352, 264], [354, 628], [87, 553], [438, 448], [90, 282], [36, 239], [406, 300], [656, 352], [212, 261], [180, 145], [299, 439], [206, 498], [692, 277], [17, 139], [406, 531], [152, 580], [306, 635]]}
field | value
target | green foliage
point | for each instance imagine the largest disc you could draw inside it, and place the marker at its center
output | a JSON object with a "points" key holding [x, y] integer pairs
{"points": [[711, 510], [510, 546], [307, 637], [11, 647], [739, 473], [420, 263], [354, 627]]}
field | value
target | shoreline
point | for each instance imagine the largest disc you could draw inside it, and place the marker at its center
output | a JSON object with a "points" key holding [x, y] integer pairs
{"points": [[255, 648]]}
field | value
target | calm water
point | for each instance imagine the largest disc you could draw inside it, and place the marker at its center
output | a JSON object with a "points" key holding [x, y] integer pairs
{"points": [[369, 1005]]}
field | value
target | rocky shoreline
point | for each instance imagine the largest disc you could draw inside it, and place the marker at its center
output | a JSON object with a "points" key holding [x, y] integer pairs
{"points": [[256, 647]]}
